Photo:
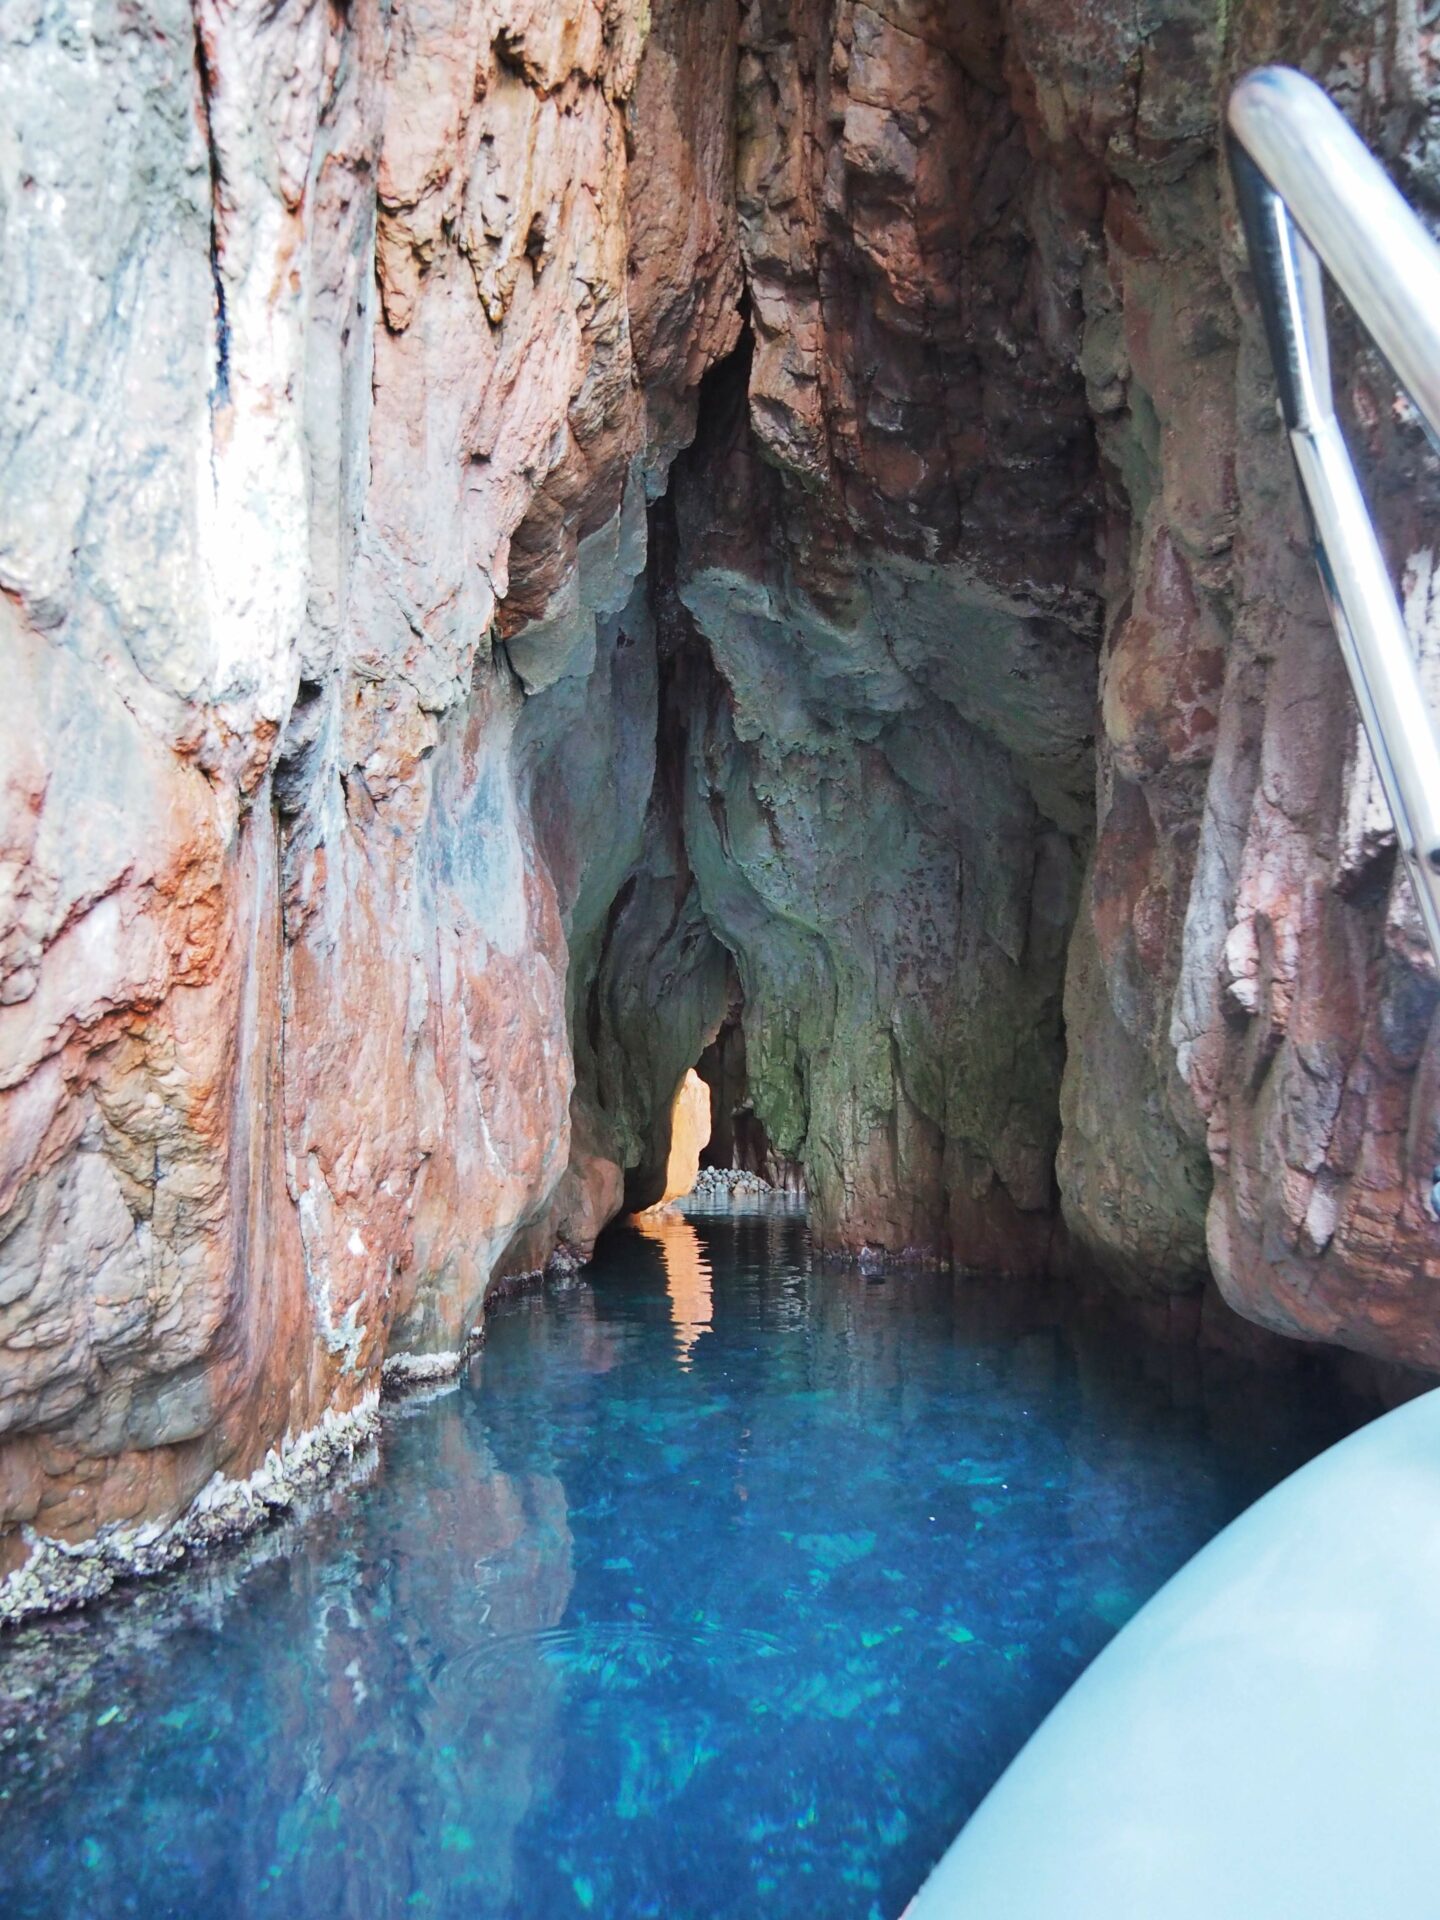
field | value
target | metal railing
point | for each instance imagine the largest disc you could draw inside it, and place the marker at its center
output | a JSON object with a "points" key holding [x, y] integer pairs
{"points": [[1311, 195]]}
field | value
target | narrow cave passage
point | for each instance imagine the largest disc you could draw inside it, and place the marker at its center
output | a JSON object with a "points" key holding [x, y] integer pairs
{"points": [[738, 1141], [707, 1017], [859, 868]]}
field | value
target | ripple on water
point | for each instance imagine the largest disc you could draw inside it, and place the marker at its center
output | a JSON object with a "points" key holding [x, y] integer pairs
{"points": [[615, 1653]]}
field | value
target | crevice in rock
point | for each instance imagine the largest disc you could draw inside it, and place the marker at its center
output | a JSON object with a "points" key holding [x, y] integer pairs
{"points": [[207, 81]]}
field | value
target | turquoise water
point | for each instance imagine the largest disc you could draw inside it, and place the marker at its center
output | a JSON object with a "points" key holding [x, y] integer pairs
{"points": [[718, 1587]]}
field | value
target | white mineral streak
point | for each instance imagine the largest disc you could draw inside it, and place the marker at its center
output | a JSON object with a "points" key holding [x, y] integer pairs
{"points": [[415, 1369]]}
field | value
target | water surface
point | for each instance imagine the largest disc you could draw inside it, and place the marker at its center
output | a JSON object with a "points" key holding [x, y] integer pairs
{"points": [[717, 1588]]}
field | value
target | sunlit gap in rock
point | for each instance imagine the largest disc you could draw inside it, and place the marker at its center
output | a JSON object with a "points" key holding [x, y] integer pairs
{"points": [[687, 1271]]}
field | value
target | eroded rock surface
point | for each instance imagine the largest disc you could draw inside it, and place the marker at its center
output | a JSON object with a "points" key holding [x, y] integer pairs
{"points": [[532, 538], [324, 335], [1250, 1003]]}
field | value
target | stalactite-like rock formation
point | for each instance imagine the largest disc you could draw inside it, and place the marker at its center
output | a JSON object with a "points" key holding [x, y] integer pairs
{"points": [[528, 534]]}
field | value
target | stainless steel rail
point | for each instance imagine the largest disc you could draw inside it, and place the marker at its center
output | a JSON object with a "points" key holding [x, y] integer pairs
{"points": [[1310, 193]]}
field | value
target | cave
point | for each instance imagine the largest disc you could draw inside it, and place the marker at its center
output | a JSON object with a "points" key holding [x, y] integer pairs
{"points": [[642, 595], [737, 1140]]}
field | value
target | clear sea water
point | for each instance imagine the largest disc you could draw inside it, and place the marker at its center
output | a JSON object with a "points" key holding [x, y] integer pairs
{"points": [[718, 1587]]}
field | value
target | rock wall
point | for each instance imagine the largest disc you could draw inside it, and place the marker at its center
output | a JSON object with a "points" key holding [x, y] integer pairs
{"points": [[887, 542], [514, 520], [1251, 1069], [325, 335], [1009, 401]]}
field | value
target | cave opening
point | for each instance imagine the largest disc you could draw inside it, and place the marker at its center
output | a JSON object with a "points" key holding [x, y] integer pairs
{"points": [[738, 1140], [872, 803]]}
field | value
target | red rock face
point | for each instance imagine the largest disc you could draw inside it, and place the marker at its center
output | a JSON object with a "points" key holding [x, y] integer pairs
{"points": [[398, 771], [286, 1062], [1250, 1005]]}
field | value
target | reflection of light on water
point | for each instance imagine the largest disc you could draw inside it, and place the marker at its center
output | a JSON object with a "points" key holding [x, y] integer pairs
{"points": [[687, 1275]]}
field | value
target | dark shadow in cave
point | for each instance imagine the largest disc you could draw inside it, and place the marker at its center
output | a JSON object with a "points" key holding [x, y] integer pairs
{"points": [[738, 1140]]}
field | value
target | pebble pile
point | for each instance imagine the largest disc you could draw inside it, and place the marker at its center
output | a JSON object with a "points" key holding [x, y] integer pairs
{"points": [[718, 1183]]}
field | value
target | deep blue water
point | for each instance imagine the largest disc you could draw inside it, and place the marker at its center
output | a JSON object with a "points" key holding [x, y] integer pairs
{"points": [[719, 1587]]}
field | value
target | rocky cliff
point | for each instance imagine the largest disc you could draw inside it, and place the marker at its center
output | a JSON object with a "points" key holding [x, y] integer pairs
{"points": [[531, 538]]}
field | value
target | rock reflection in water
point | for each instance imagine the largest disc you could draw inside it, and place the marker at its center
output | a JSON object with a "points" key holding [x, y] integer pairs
{"points": [[687, 1275], [334, 1718], [721, 1587]]}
